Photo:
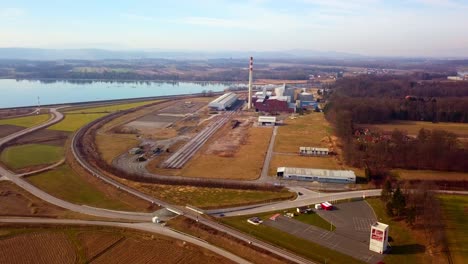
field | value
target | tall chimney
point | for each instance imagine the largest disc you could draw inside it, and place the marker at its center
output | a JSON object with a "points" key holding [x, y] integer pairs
{"points": [[250, 83]]}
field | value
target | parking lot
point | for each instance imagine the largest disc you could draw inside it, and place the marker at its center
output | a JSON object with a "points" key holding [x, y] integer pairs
{"points": [[351, 237]]}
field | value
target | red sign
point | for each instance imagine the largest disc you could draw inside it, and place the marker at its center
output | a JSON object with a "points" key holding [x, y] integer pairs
{"points": [[377, 235]]}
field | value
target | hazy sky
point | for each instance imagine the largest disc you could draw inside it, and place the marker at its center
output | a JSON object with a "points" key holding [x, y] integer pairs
{"points": [[370, 27]]}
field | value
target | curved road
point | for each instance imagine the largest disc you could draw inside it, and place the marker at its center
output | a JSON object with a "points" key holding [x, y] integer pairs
{"points": [[132, 216]]}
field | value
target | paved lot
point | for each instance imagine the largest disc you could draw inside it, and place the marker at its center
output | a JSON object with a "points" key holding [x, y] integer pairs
{"points": [[351, 235]]}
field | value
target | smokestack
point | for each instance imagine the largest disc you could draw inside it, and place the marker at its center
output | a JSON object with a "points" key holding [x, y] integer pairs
{"points": [[250, 83]]}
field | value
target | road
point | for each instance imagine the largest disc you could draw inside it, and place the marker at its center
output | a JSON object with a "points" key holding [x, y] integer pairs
{"points": [[266, 164], [306, 199], [128, 216], [146, 227], [56, 117]]}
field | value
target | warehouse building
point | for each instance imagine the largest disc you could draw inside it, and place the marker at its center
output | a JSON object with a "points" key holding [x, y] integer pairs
{"points": [[318, 175], [223, 102], [267, 120], [310, 151]]}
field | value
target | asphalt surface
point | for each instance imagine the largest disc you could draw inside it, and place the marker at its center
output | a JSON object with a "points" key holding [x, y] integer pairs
{"points": [[266, 164], [146, 227]]}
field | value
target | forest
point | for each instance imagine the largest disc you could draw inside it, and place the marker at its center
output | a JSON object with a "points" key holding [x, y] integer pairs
{"points": [[372, 99]]}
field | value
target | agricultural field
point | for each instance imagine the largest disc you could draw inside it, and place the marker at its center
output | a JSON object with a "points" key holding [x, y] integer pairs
{"points": [[26, 121], [413, 127], [287, 241], [6, 130], [71, 244], [407, 244], [64, 183], [110, 108], [431, 175], [44, 247], [73, 122], [223, 240], [14, 201], [22, 156], [207, 198], [455, 209]]}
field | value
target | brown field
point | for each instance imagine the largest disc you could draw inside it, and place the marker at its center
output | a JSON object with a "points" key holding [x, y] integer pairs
{"points": [[431, 175], [111, 146], [157, 250], [14, 201], [311, 130], [413, 127], [47, 248], [95, 243], [278, 160], [244, 164], [45, 136], [223, 240], [207, 197], [6, 130], [92, 244]]}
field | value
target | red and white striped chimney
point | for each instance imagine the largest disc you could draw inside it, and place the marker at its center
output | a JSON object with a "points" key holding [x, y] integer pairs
{"points": [[250, 83]]}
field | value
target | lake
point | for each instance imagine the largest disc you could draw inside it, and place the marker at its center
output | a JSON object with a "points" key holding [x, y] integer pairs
{"points": [[15, 93]]}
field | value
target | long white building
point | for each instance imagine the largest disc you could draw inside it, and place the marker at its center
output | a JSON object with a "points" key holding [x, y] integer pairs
{"points": [[223, 102], [318, 175]]}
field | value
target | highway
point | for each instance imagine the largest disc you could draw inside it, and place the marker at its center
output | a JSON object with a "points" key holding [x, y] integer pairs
{"points": [[146, 227]]}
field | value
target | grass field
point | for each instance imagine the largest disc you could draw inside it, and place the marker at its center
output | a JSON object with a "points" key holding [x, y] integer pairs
{"points": [[279, 160], [406, 248], [455, 208], [431, 175], [413, 127], [305, 131], [287, 241], [246, 164], [21, 156], [110, 108], [63, 183], [110, 145], [26, 121], [73, 122], [211, 197]]}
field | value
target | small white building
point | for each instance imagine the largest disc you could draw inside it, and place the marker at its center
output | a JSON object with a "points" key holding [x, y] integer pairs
{"points": [[311, 151], [378, 238], [267, 120], [318, 175], [223, 102]]}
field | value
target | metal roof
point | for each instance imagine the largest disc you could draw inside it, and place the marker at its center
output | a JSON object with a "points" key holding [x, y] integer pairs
{"points": [[267, 119], [318, 172]]}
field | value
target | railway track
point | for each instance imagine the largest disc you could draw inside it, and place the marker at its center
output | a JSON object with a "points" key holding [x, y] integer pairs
{"points": [[184, 154]]}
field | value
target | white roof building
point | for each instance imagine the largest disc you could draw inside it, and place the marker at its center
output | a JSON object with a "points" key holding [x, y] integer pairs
{"points": [[318, 175], [224, 101]]}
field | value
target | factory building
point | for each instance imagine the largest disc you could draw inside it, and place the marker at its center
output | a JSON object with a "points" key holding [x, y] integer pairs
{"points": [[223, 102], [273, 105], [310, 151], [318, 175]]}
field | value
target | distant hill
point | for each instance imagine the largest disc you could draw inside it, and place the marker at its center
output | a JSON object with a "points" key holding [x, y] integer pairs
{"points": [[102, 54]]}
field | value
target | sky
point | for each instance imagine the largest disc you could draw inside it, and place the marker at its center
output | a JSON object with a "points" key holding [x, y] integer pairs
{"points": [[366, 27]]}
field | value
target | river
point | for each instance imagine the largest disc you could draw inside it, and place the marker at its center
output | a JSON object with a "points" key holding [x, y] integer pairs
{"points": [[16, 93]]}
